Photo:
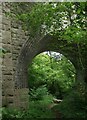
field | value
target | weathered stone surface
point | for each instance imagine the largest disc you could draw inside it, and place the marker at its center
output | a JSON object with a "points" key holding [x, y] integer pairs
{"points": [[6, 37], [20, 51], [7, 77], [7, 65], [10, 92], [4, 101], [8, 85], [10, 99], [13, 37], [6, 27], [7, 47], [0, 18], [0, 26], [6, 21]]}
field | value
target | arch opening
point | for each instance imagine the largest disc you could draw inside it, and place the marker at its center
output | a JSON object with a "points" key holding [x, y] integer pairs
{"points": [[53, 70], [30, 49]]}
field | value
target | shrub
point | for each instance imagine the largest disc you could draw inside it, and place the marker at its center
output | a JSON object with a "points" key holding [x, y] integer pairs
{"points": [[36, 110], [73, 106], [8, 114], [39, 93], [38, 107]]}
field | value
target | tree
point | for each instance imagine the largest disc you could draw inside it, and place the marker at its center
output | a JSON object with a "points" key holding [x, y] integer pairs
{"points": [[58, 75], [64, 20]]}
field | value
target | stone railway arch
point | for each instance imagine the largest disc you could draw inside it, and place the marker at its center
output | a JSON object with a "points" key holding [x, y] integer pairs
{"points": [[30, 49], [21, 49]]}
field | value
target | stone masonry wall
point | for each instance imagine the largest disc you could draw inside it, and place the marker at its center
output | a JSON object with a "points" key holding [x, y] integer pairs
{"points": [[19, 50], [7, 68], [13, 38], [0, 56]]}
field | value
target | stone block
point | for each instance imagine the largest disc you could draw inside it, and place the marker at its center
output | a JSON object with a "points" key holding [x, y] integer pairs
{"points": [[0, 9], [3, 92], [1, 63], [10, 99], [7, 72], [15, 51], [6, 21], [0, 45], [14, 62], [8, 48], [4, 101], [21, 105], [22, 94], [0, 37], [7, 77], [0, 18], [0, 25], [9, 92], [16, 42], [15, 47], [14, 30], [7, 101], [10, 105], [8, 85], [16, 104], [6, 27], [14, 36], [7, 55], [14, 24], [14, 57], [7, 61], [6, 37]]}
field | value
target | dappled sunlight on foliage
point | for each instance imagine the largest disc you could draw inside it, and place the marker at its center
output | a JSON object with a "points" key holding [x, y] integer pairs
{"points": [[57, 74]]}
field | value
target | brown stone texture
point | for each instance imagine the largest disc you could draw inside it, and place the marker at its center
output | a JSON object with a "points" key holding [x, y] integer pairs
{"points": [[13, 37]]}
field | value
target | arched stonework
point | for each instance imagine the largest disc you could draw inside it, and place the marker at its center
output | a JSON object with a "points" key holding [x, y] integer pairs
{"points": [[20, 50], [30, 49]]}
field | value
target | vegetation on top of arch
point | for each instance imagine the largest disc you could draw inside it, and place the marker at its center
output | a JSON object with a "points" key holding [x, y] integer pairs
{"points": [[65, 20]]}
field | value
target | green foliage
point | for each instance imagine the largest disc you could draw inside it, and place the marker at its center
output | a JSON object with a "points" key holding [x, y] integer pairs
{"points": [[40, 110], [39, 103], [65, 20], [57, 75], [37, 109], [39, 93], [74, 105], [8, 114]]}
